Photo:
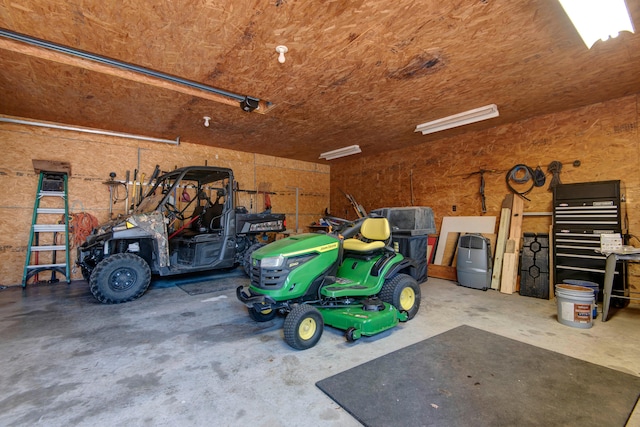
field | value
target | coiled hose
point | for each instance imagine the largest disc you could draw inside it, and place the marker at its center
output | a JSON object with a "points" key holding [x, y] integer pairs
{"points": [[520, 174]]}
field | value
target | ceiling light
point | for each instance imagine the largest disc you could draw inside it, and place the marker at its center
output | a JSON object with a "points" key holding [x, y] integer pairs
{"points": [[341, 152], [598, 19], [281, 50], [460, 119]]}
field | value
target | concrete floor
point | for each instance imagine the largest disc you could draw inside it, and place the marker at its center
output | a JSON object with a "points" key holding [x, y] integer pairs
{"points": [[175, 359]]}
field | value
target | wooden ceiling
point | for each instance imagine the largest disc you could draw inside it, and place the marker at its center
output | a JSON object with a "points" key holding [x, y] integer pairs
{"points": [[357, 72]]}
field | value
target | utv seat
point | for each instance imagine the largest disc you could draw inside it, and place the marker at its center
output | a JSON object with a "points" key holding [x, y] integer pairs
{"points": [[195, 225], [375, 234], [212, 216]]}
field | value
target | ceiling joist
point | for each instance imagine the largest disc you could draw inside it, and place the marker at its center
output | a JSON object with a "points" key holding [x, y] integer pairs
{"points": [[117, 70]]}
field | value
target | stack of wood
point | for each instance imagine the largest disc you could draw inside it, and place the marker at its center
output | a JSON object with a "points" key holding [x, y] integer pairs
{"points": [[505, 266], [506, 245]]}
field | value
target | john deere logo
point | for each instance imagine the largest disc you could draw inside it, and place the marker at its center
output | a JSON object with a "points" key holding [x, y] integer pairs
{"points": [[255, 262]]}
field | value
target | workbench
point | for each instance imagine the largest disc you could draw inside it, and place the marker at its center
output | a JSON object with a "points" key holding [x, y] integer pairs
{"points": [[610, 267]]}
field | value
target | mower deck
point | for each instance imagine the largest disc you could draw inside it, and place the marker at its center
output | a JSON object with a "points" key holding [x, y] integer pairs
{"points": [[359, 320]]}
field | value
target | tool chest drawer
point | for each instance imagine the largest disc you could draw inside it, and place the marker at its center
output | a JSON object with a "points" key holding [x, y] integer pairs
{"points": [[581, 213]]}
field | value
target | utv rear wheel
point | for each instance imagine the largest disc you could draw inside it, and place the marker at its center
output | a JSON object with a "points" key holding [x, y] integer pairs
{"points": [[303, 327], [262, 316], [246, 259], [120, 278], [403, 292]]}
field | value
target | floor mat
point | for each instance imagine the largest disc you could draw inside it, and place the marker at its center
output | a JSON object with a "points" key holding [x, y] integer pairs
{"points": [[470, 377], [204, 283], [208, 286]]}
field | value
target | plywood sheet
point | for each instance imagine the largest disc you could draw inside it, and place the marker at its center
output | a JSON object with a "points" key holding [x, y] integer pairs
{"points": [[462, 224]]}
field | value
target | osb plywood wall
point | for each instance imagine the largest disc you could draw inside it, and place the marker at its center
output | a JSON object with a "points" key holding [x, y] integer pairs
{"points": [[94, 157], [603, 137]]}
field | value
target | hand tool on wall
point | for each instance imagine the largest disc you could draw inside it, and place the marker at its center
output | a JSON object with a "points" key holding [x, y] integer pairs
{"points": [[111, 182], [154, 175], [360, 211], [483, 199], [135, 191], [140, 191], [126, 197]]}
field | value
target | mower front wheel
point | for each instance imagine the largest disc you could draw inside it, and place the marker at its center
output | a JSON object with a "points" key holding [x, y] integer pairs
{"points": [[262, 316], [351, 334], [303, 327], [403, 292]]}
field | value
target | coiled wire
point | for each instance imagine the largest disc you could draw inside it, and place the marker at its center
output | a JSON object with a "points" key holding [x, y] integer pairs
{"points": [[520, 174]]}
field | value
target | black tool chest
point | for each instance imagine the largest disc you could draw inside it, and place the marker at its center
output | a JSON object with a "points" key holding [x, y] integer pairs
{"points": [[581, 212]]}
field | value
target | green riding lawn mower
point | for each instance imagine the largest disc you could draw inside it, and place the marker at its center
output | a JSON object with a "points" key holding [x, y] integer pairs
{"points": [[360, 285]]}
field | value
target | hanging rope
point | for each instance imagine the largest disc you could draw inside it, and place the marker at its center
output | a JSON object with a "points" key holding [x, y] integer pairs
{"points": [[554, 168], [520, 174], [81, 224], [538, 177]]}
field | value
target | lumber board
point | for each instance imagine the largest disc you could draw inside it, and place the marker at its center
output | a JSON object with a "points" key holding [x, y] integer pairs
{"points": [[509, 268], [443, 272], [515, 227], [552, 265], [450, 249], [515, 233], [503, 230], [51, 166], [509, 271]]}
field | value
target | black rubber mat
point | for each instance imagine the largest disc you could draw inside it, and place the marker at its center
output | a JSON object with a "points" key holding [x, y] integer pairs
{"points": [[207, 287], [204, 283], [470, 377]]}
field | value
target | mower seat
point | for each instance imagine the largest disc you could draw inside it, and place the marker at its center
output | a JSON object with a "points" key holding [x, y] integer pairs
{"points": [[375, 233]]}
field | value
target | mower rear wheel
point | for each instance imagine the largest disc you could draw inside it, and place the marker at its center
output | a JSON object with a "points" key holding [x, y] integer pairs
{"points": [[403, 292], [303, 327], [262, 316]]}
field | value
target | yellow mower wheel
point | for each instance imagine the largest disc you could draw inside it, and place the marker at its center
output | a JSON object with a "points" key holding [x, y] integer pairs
{"points": [[407, 299], [403, 292], [303, 327]]}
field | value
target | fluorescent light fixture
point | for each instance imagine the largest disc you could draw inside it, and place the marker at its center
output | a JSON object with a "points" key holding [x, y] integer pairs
{"points": [[460, 119], [341, 152], [598, 19]]}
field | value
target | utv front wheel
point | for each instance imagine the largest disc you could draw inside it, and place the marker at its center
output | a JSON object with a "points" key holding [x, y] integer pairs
{"points": [[86, 273], [120, 278], [246, 259], [303, 327], [403, 292]]}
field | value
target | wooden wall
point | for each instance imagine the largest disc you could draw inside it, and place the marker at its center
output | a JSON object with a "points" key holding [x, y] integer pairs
{"points": [[603, 137], [93, 157]]}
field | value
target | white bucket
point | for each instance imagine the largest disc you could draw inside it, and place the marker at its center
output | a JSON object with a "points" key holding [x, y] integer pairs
{"points": [[575, 305]]}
